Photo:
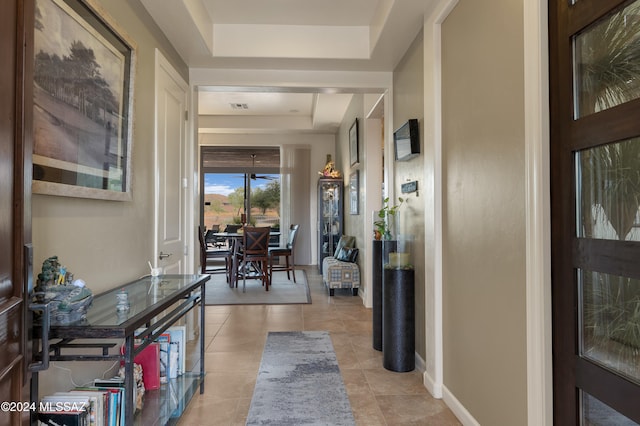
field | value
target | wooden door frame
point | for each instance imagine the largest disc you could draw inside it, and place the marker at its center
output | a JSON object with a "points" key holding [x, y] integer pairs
{"points": [[21, 140], [23, 266]]}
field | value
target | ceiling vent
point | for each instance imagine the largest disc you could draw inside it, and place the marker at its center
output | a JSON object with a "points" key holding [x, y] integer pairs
{"points": [[239, 106]]}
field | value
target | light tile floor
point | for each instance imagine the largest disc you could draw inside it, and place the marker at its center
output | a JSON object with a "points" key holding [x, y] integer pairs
{"points": [[235, 337]]}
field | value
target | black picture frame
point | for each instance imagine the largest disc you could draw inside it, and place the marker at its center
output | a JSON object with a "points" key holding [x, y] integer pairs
{"points": [[354, 154], [83, 123], [406, 140]]}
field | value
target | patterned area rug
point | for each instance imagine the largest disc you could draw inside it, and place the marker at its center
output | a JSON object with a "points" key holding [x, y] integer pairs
{"points": [[281, 292], [299, 382]]}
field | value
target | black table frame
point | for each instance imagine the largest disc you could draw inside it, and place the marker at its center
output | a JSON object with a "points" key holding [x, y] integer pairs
{"points": [[185, 298]]}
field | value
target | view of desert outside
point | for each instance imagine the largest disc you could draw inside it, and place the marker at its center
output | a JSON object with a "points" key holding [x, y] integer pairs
{"points": [[224, 200]]}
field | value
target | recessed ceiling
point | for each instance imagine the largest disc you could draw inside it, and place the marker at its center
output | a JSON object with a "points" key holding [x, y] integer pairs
{"points": [[251, 103], [270, 112], [368, 35], [283, 12], [327, 35]]}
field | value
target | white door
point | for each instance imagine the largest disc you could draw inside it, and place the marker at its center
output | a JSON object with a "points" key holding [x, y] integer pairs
{"points": [[170, 165]]}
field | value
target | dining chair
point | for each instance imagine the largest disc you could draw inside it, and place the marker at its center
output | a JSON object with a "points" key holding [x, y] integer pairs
{"points": [[232, 228], [209, 258], [211, 239], [286, 252], [254, 253]]}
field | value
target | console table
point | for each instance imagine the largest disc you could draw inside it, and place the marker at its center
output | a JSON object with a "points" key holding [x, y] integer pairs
{"points": [[156, 304]]}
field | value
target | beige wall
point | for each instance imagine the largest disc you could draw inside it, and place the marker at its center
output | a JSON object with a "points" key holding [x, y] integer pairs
{"points": [[485, 360], [108, 243], [360, 225], [408, 101], [353, 224], [371, 180]]}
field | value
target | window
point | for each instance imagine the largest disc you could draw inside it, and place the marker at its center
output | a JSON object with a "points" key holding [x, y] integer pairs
{"points": [[240, 184]]}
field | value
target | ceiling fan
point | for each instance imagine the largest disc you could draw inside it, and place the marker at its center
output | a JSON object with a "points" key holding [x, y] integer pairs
{"points": [[253, 175]]}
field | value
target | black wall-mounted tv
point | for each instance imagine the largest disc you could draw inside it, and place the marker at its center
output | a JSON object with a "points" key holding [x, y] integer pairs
{"points": [[406, 140]]}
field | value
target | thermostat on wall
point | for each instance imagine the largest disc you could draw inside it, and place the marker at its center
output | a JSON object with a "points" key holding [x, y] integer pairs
{"points": [[408, 187]]}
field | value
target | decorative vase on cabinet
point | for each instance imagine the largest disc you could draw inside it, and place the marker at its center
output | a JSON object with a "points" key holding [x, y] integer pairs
{"points": [[330, 218]]}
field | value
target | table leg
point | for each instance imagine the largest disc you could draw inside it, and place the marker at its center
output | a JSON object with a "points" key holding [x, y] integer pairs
{"points": [[234, 265], [129, 382], [202, 333]]}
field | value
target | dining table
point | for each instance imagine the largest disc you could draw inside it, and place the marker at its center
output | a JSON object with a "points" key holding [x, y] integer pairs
{"points": [[235, 243]]}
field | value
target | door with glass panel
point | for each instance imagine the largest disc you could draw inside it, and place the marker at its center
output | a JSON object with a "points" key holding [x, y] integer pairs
{"points": [[595, 197]]}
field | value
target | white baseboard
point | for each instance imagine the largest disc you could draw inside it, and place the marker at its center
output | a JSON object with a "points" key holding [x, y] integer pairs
{"points": [[458, 409], [439, 391], [435, 389]]}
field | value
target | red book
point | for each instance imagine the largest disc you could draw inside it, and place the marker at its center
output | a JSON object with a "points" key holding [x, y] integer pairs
{"points": [[149, 360]]}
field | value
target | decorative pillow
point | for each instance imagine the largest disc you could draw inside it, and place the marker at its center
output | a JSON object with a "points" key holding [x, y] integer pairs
{"points": [[347, 254], [353, 255], [345, 241], [341, 254]]}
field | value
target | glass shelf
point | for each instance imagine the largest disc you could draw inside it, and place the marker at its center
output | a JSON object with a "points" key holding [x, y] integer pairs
{"points": [[166, 405]]}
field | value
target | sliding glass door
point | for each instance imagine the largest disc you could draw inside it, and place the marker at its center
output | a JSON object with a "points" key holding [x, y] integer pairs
{"points": [[230, 198]]}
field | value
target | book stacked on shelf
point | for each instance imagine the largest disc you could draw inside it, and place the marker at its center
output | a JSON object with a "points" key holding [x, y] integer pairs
{"points": [[149, 360], [102, 404], [68, 410], [164, 359], [164, 341], [178, 336], [99, 405]]}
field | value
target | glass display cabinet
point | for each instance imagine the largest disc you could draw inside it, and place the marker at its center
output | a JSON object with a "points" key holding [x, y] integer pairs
{"points": [[330, 216]]}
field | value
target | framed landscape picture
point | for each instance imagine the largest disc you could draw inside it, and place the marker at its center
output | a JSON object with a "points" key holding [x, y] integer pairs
{"points": [[354, 193], [83, 87]]}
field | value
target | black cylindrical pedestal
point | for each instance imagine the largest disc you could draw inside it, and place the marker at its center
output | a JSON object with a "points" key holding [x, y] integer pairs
{"points": [[381, 251], [398, 330]]}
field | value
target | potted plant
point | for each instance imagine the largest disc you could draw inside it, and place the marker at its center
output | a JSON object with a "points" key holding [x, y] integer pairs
{"points": [[382, 227]]}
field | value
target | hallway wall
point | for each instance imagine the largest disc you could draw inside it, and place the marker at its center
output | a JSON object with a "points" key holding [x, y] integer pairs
{"points": [[354, 224], [408, 102], [108, 243], [484, 176]]}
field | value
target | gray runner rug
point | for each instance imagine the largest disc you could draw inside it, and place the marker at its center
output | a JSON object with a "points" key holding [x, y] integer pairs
{"points": [[299, 382]]}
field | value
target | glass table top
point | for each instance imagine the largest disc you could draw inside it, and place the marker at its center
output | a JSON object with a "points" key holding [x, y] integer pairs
{"points": [[143, 297]]}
